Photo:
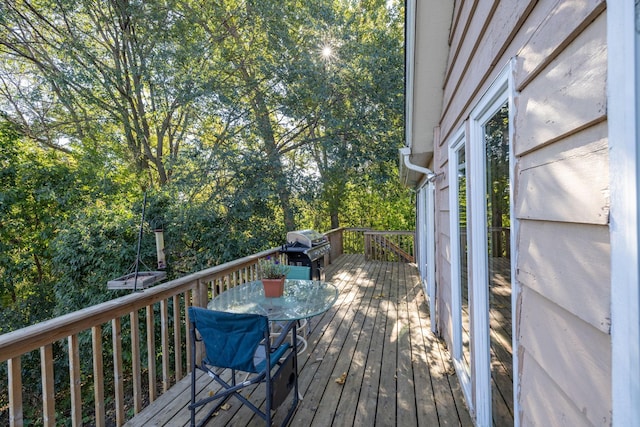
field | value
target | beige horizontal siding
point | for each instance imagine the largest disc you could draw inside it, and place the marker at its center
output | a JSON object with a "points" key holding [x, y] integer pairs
{"points": [[568, 264], [567, 181], [492, 37], [543, 403], [575, 355], [562, 200], [552, 35], [443, 308], [568, 95]]}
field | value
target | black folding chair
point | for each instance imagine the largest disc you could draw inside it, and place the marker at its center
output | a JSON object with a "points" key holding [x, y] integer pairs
{"points": [[241, 342]]}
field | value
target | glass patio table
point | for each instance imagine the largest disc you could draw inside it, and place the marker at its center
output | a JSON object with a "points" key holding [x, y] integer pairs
{"points": [[301, 299]]}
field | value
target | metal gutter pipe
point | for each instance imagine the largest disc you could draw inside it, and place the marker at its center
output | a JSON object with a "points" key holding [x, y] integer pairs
{"points": [[405, 152]]}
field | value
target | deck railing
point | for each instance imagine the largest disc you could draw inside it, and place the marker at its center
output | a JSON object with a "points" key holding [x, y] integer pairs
{"points": [[134, 357], [346, 241], [157, 353], [394, 246]]}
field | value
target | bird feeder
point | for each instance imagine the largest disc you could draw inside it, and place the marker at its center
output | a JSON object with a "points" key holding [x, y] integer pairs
{"points": [[139, 280], [162, 262]]}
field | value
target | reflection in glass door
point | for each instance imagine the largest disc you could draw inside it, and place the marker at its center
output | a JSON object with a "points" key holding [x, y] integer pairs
{"points": [[496, 138], [462, 258]]}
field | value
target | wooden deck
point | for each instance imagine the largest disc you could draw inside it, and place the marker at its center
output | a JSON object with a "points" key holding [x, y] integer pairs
{"points": [[377, 336]]}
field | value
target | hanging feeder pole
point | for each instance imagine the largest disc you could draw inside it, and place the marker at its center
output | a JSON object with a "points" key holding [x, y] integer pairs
{"points": [[135, 276]]}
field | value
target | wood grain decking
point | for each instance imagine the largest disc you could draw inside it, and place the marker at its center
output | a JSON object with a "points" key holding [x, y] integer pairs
{"points": [[378, 338]]}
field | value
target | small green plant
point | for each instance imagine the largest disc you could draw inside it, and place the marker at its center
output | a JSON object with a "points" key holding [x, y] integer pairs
{"points": [[272, 268]]}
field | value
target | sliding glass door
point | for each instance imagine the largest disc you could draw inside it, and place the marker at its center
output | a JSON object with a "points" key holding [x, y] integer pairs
{"points": [[490, 165]]}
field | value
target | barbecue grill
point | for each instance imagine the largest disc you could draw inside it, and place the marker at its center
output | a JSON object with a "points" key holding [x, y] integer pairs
{"points": [[307, 248]]}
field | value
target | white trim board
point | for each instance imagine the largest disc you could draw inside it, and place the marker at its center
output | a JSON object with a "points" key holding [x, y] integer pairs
{"points": [[463, 371], [622, 80]]}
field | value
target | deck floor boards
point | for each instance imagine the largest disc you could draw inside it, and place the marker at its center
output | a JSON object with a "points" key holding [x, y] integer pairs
{"points": [[378, 334]]}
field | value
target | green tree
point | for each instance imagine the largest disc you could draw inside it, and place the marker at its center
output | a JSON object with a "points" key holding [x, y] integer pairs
{"points": [[120, 71], [350, 94], [252, 92], [35, 199]]}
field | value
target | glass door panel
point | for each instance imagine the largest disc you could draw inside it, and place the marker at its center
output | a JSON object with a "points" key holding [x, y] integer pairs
{"points": [[463, 277], [496, 137]]}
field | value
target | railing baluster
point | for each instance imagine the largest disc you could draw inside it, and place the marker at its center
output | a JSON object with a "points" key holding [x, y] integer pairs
{"points": [[15, 392], [188, 303], [118, 380], [75, 380], [48, 389], [136, 361], [151, 353], [164, 334], [98, 375], [367, 246], [177, 338]]}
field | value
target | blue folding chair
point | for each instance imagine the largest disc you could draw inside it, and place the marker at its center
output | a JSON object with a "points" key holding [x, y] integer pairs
{"points": [[241, 342]]}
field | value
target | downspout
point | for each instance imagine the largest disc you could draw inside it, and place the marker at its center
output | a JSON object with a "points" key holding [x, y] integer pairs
{"points": [[405, 152]]}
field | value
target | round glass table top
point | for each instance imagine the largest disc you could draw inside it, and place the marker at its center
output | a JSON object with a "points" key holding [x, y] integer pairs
{"points": [[301, 299]]}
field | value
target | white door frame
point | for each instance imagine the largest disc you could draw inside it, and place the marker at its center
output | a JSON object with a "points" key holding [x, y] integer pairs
{"points": [[623, 43], [499, 92], [426, 259], [464, 375]]}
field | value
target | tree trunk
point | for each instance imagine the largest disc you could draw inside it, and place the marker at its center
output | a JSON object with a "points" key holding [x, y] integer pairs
{"points": [[277, 171]]}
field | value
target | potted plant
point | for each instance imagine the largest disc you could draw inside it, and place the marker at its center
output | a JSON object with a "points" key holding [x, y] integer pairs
{"points": [[272, 273]]}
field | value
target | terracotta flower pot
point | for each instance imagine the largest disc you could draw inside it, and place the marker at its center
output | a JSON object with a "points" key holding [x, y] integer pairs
{"points": [[273, 288]]}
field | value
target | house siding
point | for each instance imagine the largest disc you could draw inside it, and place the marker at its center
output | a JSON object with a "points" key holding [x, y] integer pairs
{"points": [[560, 193]]}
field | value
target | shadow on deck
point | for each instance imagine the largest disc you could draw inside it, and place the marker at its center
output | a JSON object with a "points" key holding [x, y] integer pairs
{"points": [[378, 337]]}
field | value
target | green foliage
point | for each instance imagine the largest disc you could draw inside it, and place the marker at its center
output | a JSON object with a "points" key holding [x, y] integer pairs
{"points": [[255, 130], [36, 189], [97, 246]]}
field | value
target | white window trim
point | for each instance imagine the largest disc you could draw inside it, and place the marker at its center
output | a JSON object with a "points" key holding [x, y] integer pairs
{"points": [[622, 109], [457, 141], [500, 91]]}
